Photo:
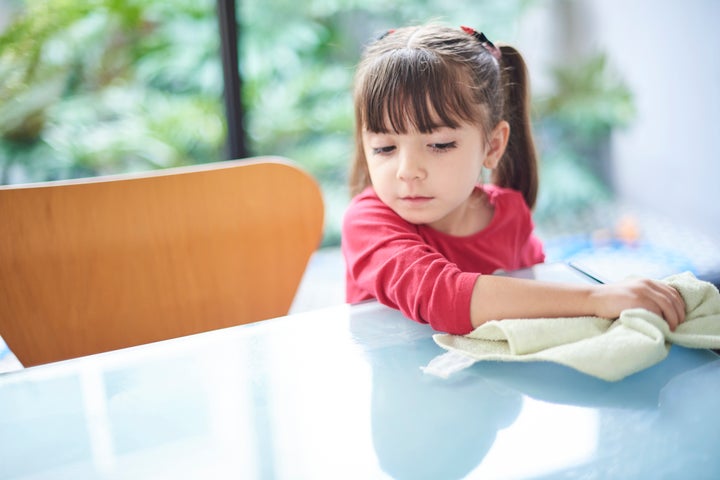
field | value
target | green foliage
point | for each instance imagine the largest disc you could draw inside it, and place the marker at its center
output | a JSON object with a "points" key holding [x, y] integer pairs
{"points": [[108, 86], [568, 188], [590, 99], [574, 125]]}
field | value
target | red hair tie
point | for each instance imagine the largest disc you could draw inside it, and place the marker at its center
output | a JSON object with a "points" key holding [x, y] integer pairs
{"points": [[489, 46], [385, 34]]}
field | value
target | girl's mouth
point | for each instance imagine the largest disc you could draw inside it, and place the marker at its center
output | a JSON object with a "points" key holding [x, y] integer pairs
{"points": [[415, 199]]}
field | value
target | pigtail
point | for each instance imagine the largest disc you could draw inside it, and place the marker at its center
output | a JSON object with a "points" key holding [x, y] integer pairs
{"points": [[518, 168]]}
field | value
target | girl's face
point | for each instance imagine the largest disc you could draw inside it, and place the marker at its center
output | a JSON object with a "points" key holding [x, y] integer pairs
{"points": [[429, 178]]}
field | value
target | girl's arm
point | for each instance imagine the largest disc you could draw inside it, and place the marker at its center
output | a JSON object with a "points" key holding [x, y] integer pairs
{"points": [[496, 297]]}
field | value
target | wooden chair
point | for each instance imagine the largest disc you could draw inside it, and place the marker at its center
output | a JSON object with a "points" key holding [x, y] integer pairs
{"points": [[98, 264]]}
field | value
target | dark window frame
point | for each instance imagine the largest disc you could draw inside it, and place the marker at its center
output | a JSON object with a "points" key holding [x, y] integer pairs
{"points": [[232, 81]]}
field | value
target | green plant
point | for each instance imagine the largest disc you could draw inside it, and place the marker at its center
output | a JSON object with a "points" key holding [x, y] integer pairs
{"points": [[590, 99], [108, 86], [574, 126]]}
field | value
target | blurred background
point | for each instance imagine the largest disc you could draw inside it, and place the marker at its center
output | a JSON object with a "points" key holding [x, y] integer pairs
{"points": [[626, 102]]}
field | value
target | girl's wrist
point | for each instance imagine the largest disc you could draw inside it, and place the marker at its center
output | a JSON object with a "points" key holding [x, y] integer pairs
{"points": [[600, 301]]}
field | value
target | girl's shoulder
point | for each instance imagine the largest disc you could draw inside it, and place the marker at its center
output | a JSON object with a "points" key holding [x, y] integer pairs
{"points": [[366, 195], [367, 208], [364, 201], [503, 197], [368, 219]]}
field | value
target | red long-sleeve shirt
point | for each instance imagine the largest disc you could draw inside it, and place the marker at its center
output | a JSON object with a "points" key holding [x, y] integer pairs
{"points": [[426, 274]]}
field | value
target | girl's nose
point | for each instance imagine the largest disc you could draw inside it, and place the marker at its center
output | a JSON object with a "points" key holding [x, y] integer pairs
{"points": [[410, 167]]}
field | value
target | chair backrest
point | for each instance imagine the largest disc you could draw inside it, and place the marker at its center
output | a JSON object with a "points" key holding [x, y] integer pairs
{"points": [[97, 264]]}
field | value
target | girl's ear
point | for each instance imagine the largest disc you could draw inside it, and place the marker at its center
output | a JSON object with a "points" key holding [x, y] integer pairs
{"points": [[496, 145]]}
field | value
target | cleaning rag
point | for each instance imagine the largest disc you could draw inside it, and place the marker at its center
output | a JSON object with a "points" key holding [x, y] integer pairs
{"points": [[607, 349]]}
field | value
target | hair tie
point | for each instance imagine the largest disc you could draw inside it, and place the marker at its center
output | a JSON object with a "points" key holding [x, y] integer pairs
{"points": [[480, 37], [385, 34]]}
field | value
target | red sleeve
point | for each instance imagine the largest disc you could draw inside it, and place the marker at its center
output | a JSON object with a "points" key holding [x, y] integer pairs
{"points": [[387, 259]]}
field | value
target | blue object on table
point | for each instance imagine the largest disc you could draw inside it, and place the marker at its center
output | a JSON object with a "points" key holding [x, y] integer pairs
{"points": [[617, 241]]}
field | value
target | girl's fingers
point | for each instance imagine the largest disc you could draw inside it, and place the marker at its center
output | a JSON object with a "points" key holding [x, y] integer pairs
{"points": [[671, 305]]}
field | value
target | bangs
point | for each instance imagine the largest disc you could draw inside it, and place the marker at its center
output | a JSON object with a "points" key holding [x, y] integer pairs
{"points": [[413, 89]]}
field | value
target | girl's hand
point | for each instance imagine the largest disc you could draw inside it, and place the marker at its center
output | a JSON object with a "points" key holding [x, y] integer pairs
{"points": [[609, 300]]}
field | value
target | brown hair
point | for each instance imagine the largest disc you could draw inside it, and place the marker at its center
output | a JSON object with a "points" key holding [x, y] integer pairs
{"points": [[429, 76]]}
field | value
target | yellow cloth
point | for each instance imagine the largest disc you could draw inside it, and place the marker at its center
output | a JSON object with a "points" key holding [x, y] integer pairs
{"points": [[610, 350]]}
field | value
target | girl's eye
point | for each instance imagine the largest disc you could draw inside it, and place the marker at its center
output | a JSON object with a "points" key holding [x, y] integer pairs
{"points": [[382, 150], [442, 147]]}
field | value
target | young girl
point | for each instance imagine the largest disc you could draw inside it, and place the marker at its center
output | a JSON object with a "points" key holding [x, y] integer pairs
{"points": [[433, 106]]}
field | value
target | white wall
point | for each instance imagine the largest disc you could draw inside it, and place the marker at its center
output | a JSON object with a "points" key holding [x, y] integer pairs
{"points": [[669, 53]]}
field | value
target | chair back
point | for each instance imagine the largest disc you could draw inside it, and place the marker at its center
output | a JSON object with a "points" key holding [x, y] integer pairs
{"points": [[98, 264]]}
